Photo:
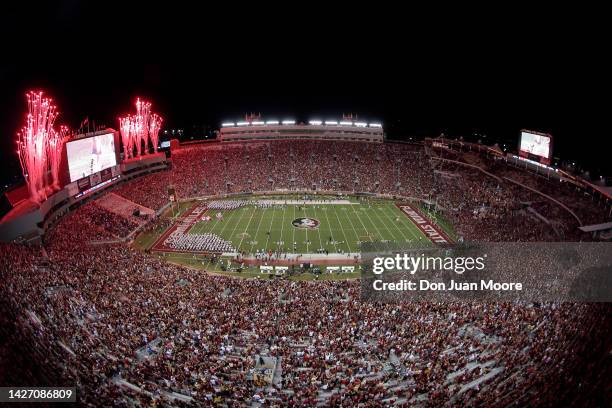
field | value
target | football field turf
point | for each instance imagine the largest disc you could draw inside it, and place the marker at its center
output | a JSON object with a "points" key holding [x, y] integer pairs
{"points": [[333, 227]]}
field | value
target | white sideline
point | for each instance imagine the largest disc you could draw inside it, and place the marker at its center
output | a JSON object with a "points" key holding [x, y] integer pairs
{"points": [[304, 202]]}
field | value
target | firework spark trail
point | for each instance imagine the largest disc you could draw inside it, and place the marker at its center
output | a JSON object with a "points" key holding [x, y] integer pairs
{"points": [[143, 116], [126, 128], [156, 122], [140, 129], [33, 143], [55, 145]]}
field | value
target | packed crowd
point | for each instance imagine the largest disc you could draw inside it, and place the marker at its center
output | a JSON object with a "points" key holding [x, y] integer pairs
{"points": [[480, 206], [198, 242], [501, 204], [287, 165], [149, 191], [128, 329], [482, 209], [99, 223]]}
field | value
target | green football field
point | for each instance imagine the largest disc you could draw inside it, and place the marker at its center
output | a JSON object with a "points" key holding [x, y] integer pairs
{"points": [[333, 227]]}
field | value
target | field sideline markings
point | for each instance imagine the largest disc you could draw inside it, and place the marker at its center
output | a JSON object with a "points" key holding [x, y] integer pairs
{"points": [[344, 233], [203, 228], [257, 230], [306, 230], [223, 229], [331, 230], [376, 225], [245, 230], [411, 225], [384, 210], [364, 227], [410, 228], [318, 230], [404, 220], [230, 218], [282, 226], [242, 211], [269, 232], [293, 236], [382, 221]]}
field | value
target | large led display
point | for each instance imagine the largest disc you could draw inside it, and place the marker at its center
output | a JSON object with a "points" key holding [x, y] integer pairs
{"points": [[90, 155], [535, 144]]}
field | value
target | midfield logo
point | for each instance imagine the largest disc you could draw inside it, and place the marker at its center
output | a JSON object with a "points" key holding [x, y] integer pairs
{"points": [[308, 223]]}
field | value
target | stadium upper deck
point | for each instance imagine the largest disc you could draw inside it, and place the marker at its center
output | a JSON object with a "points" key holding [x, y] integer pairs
{"points": [[347, 130], [437, 171]]}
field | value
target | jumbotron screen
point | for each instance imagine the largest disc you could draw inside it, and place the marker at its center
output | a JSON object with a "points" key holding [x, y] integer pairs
{"points": [[90, 155], [536, 144]]}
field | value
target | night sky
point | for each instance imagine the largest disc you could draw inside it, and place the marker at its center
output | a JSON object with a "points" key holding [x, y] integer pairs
{"points": [[201, 67]]}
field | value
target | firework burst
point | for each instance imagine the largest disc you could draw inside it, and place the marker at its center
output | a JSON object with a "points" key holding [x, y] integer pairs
{"points": [[154, 127], [37, 145], [138, 130]]}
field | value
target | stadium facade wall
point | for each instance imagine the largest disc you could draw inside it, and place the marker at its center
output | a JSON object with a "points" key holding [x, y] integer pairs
{"points": [[301, 132], [28, 222]]}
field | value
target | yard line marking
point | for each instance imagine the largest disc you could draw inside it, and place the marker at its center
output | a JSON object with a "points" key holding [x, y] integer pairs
{"points": [[306, 230], [257, 230], [233, 212], [202, 227], [359, 218], [269, 232], [331, 230], [242, 211], [293, 236], [364, 227], [217, 221], [371, 221], [344, 233], [245, 230], [318, 231], [385, 224], [410, 228], [282, 225]]}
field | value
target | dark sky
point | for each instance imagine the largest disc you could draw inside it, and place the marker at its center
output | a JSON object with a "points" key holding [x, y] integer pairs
{"points": [[419, 73]]}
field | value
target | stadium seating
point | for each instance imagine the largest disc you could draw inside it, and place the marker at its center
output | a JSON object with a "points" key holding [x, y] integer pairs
{"points": [[480, 207], [129, 329]]}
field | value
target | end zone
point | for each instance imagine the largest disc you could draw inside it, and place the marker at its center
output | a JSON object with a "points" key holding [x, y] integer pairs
{"points": [[432, 231]]}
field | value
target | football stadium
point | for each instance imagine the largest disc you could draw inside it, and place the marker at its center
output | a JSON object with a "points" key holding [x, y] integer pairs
{"points": [[148, 271], [206, 204]]}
